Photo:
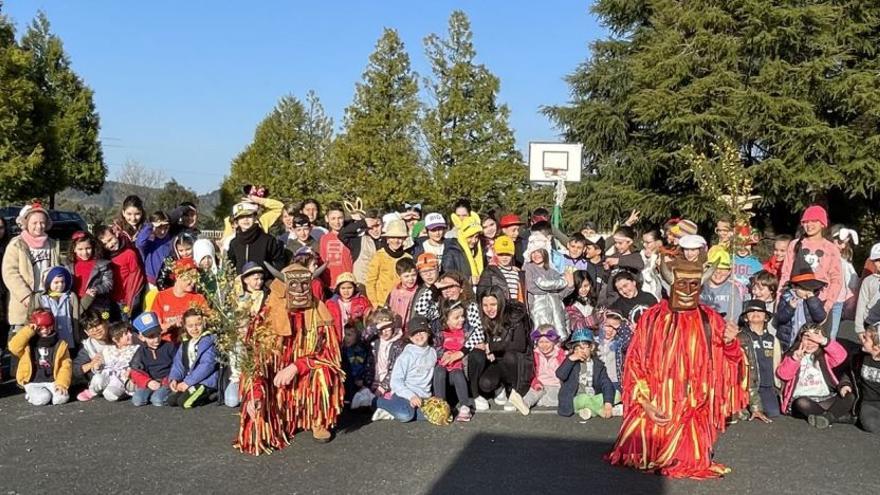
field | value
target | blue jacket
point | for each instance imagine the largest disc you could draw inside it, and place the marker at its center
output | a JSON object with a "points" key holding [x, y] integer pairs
{"points": [[814, 313], [203, 371], [568, 373], [153, 251]]}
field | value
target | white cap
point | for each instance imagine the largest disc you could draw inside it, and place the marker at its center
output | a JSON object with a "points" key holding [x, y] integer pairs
{"points": [[692, 241], [875, 252], [434, 220]]}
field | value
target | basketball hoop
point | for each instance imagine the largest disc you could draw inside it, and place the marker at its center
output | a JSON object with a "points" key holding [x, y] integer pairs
{"points": [[551, 163]]}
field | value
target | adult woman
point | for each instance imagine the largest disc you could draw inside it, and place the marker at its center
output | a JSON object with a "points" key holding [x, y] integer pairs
{"points": [[505, 360], [26, 260]]}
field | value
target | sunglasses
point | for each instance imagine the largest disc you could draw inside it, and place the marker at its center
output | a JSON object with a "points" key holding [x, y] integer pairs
{"points": [[550, 334]]}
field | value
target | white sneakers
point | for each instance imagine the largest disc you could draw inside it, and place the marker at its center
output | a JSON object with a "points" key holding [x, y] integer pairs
{"points": [[363, 398], [481, 404], [381, 414], [501, 397], [617, 410], [518, 403], [585, 414]]}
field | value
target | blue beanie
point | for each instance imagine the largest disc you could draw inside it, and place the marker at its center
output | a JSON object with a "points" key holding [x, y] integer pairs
{"points": [[59, 271]]}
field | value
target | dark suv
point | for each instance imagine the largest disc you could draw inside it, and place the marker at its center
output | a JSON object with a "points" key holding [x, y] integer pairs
{"points": [[64, 223]]}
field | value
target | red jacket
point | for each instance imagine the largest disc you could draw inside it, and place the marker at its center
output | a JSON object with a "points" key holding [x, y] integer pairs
{"points": [[360, 308], [128, 274], [337, 257]]}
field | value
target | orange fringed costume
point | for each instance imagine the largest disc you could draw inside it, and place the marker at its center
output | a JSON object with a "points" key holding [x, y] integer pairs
{"points": [[307, 339], [670, 366]]}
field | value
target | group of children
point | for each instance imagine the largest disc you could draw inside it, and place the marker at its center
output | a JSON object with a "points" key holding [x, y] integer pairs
{"points": [[547, 324]]}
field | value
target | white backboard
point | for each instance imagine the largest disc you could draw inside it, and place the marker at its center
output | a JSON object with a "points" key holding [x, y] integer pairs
{"points": [[550, 161]]}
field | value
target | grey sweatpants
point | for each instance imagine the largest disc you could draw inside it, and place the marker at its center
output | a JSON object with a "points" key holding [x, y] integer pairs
{"points": [[546, 397]]}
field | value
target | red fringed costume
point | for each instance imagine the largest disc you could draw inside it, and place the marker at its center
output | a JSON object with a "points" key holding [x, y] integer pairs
{"points": [[671, 365], [305, 338]]}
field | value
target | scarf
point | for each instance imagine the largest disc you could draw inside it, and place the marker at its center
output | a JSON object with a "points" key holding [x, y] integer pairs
{"points": [[250, 235], [474, 257], [34, 242]]}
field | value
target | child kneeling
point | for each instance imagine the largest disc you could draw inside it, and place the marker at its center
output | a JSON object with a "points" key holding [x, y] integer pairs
{"points": [[151, 364], [44, 365], [411, 377], [586, 388], [193, 377]]}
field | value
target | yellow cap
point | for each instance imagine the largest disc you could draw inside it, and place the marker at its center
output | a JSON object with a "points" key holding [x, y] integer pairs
{"points": [[504, 245]]}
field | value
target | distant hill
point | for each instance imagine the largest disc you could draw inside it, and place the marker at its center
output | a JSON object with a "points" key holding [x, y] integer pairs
{"points": [[113, 193]]}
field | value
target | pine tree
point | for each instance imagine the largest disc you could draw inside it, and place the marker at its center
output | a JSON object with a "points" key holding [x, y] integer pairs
{"points": [[470, 146], [64, 118], [288, 153], [21, 155], [376, 155], [792, 84]]}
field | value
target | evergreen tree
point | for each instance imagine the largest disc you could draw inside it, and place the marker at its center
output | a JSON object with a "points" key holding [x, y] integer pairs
{"points": [[287, 155], [64, 118], [172, 195], [793, 84], [376, 155], [21, 155], [470, 146]]}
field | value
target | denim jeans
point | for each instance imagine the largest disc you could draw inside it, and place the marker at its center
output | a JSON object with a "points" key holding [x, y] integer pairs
{"points": [[230, 395], [400, 408], [142, 396], [836, 314]]}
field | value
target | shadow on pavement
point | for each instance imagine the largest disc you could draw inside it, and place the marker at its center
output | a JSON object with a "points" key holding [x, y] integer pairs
{"points": [[523, 464]]}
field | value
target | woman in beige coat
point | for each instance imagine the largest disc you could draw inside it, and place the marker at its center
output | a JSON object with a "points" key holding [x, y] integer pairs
{"points": [[26, 260]]}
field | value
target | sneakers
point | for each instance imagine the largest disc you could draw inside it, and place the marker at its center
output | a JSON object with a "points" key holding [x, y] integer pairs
{"points": [[363, 398], [501, 397], [820, 421], [194, 397], [617, 410], [464, 414], [382, 414], [85, 396], [508, 407], [585, 414], [517, 402], [481, 404]]}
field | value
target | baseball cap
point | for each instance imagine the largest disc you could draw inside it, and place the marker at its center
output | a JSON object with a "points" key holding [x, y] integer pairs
{"points": [[875, 252], [146, 323], [434, 221], [418, 323], [504, 245], [427, 261]]}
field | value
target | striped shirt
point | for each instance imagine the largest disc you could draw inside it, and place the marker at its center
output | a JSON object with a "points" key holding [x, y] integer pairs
{"points": [[511, 275]]}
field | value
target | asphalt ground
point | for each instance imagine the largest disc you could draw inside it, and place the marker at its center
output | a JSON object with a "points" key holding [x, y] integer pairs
{"points": [[101, 447]]}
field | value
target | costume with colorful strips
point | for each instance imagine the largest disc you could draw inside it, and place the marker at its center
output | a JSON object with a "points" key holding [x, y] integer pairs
{"points": [[305, 339], [681, 366]]}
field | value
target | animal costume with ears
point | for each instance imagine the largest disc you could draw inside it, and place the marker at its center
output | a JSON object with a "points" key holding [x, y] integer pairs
{"points": [[292, 330], [680, 364]]}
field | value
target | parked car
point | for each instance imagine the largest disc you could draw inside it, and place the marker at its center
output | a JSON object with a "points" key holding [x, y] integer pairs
{"points": [[64, 223]]}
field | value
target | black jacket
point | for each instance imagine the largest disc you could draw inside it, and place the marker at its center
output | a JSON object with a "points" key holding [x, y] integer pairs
{"points": [[264, 248], [351, 235], [455, 260]]}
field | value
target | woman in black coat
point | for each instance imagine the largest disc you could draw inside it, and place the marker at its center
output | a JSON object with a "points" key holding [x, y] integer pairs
{"points": [[506, 358]]}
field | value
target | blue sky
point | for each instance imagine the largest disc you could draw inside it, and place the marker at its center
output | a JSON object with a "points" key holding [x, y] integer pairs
{"points": [[180, 86]]}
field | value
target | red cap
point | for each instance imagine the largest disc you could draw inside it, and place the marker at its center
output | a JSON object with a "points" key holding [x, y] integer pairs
{"points": [[42, 318], [510, 220]]}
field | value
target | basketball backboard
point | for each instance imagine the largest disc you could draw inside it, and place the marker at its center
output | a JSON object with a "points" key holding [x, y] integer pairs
{"points": [[549, 162]]}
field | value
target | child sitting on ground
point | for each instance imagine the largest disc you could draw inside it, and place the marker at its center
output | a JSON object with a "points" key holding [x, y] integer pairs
{"points": [[151, 364], [89, 359], [193, 376], [763, 355], [44, 366], [411, 377], [586, 389], [867, 371], [63, 303], [544, 389], [112, 379], [355, 362], [450, 367], [386, 339]]}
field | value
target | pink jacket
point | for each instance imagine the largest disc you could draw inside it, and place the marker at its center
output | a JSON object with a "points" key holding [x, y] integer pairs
{"points": [[560, 357], [790, 368], [824, 257]]}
